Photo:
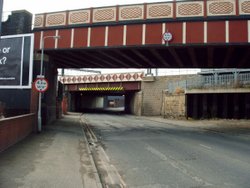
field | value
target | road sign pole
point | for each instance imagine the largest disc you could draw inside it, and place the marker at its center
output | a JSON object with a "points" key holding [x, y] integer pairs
{"points": [[41, 74], [41, 85], [39, 112], [40, 94]]}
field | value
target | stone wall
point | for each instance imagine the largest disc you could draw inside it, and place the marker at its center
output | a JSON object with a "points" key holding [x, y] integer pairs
{"points": [[136, 104], [153, 92], [174, 106]]}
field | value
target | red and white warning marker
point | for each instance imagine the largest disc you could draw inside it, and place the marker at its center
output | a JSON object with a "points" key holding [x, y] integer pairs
{"points": [[41, 84]]}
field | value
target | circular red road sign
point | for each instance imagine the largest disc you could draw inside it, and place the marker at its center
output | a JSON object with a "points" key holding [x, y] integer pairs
{"points": [[41, 84], [167, 37]]}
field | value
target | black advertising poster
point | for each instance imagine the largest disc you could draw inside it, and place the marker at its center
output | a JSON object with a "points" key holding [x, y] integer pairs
{"points": [[10, 61]]}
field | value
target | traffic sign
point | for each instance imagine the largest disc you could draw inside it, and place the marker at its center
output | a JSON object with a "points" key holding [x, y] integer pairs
{"points": [[167, 37], [41, 84]]}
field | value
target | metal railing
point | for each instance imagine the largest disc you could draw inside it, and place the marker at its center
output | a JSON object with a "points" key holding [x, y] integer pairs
{"points": [[211, 81]]}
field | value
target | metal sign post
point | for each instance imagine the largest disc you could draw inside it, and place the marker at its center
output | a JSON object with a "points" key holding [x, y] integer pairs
{"points": [[42, 84]]}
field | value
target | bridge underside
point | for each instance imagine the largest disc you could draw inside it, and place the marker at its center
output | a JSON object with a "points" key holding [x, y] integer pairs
{"points": [[210, 56]]}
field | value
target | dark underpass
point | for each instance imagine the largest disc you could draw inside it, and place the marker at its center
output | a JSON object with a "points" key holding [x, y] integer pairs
{"points": [[218, 105], [101, 102]]}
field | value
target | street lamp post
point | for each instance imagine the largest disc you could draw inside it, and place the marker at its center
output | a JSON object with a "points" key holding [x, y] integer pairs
{"points": [[42, 76]]}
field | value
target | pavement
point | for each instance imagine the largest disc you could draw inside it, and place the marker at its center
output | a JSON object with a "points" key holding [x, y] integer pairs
{"points": [[58, 157]]}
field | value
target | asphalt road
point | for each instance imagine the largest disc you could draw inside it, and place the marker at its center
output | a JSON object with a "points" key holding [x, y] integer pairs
{"points": [[150, 154]]}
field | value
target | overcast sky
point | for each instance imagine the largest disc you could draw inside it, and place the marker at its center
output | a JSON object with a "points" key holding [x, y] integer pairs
{"points": [[41, 6]]}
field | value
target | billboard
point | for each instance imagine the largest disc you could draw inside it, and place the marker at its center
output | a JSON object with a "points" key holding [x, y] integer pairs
{"points": [[16, 60]]}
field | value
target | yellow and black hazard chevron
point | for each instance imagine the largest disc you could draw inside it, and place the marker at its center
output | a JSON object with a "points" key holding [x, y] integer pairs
{"points": [[101, 89]]}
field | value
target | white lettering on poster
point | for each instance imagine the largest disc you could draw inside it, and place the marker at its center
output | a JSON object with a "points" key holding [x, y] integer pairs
{"points": [[4, 50]]}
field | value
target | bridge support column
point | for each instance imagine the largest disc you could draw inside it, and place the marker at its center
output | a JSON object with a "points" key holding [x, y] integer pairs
{"points": [[186, 106], [247, 106], [133, 103], [49, 105], [195, 106], [225, 106], [204, 106], [72, 101], [214, 112], [236, 106]]}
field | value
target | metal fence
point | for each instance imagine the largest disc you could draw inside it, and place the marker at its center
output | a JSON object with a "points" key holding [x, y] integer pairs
{"points": [[212, 81]]}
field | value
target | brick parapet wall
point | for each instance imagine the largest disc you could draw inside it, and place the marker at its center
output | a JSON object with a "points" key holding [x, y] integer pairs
{"points": [[14, 129]]}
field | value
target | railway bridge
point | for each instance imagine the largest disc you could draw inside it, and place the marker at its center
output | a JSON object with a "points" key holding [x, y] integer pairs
{"points": [[205, 34], [91, 92]]}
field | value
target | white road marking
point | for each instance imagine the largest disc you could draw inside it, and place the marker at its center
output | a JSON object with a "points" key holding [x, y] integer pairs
{"points": [[109, 175], [104, 153], [205, 146], [120, 178]]}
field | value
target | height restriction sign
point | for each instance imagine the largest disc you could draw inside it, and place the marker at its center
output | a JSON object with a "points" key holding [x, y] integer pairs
{"points": [[41, 84]]}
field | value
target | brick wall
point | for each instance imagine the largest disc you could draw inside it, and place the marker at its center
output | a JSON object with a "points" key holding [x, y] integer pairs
{"points": [[12, 130]]}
